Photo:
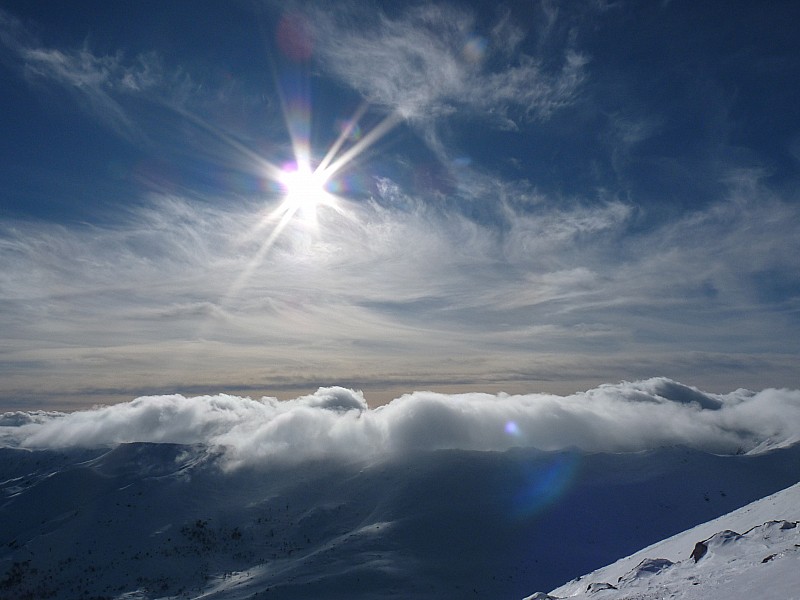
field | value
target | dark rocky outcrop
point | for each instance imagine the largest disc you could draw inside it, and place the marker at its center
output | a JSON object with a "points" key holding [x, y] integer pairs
{"points": [[700, 549]]}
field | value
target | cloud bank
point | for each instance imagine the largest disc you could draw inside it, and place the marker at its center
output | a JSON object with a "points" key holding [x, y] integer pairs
{"points": [[336, 422]]}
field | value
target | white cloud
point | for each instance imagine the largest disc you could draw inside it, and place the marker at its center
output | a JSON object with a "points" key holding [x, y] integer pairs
{"points": [[336, 422], [99, 84], [430, 60], [558, 285], [92, 80]]}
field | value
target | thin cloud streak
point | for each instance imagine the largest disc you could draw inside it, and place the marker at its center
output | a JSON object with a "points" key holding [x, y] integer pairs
{"points": [[98, 83], [120, 91], [431, 60]]}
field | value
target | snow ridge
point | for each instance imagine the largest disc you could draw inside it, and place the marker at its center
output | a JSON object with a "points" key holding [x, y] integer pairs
{"points": [[726, 565]]}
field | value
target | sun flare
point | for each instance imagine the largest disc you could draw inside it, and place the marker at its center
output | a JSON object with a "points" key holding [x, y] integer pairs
{"points": [[304, 189]]}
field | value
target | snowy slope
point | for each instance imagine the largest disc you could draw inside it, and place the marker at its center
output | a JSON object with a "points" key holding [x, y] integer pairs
{"points": [[751, 552], [165, 521]]}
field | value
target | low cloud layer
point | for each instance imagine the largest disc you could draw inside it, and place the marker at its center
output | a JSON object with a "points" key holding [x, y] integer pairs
{"points": [[337, 422]]}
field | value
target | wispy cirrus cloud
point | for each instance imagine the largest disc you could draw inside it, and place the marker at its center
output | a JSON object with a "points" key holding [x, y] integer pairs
{"points": [[431, 60], [424, 294], [100, 84]]}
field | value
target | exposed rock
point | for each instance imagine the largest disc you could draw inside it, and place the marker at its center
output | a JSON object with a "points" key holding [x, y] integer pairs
{"points": [[600, 585], [700, 549]]}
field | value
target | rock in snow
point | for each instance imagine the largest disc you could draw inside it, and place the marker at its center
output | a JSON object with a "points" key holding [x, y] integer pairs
{"points": [[646, 568], [597, 587], [760, 563]]}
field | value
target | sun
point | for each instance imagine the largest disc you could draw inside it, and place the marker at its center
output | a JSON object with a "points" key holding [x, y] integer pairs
{"points": [[304, 189]]}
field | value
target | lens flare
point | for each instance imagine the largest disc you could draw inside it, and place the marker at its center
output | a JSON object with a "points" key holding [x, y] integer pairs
{"points": [[475, 49], [544, 483]]}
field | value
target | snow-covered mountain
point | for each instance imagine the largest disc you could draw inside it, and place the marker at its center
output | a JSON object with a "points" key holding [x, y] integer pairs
{"points": [[164, 520], [225, 498], [751, 552]]}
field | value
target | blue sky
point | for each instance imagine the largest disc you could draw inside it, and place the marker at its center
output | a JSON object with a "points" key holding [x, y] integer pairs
{"points": [[520, 197]]}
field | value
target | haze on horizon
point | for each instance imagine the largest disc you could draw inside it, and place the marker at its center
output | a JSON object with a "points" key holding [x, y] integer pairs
{"points": [[525, 197]]}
